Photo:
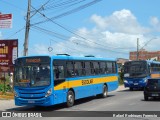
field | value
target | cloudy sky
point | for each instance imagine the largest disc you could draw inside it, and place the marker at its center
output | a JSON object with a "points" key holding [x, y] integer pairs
{"points": [[103, 29]]}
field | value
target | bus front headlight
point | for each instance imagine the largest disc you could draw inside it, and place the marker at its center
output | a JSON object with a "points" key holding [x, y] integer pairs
{"points": [[49, 92], [16, 94], [125, 81], [145, 80]]}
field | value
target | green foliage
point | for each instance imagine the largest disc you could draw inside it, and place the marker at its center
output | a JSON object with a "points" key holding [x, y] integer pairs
{"points": [[5, 88], [121, 74]]}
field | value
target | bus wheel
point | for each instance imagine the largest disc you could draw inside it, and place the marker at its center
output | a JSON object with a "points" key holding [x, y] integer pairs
{"points": [[105, 91], [131, 89], [145, 98], [70, 98]]}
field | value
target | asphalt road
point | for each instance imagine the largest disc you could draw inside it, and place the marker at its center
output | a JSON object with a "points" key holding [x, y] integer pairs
{"points": [[120, 100]]}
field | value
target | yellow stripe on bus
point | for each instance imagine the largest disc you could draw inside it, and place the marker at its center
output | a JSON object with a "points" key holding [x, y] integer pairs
{"points": [[155, 75], [84, 82]]}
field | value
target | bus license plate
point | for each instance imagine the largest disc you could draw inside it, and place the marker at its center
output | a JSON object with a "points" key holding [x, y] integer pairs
{"points": [[31, 101], [135, 83], [155, 95]]}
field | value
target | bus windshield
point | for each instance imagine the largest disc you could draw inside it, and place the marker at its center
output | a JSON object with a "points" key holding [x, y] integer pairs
{"points": [[32, 71], [135, 69], [31, 76]]}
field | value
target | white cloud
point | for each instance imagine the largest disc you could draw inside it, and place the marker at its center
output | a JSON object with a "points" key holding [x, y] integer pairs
{"points": [[100, 22], [120, 21], [124, 15], [155, 22], [112, 36]]}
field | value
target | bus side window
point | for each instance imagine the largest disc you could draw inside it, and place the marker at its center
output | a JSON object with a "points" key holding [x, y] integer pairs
{"points": [[70, 70], [153, 67], [109, 67], [78, 68], [96, 67], [158, 67], [113, 67], [106, 67], [83, 69], [87, 68], [102, 67], [149, 69], [58, 72], [92, 68]]}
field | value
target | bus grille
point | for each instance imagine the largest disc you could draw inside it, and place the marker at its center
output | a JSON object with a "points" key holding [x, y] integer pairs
{"points": [[31, 93]]}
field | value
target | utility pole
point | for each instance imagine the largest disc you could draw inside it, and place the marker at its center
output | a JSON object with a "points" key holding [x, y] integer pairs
{"points": [[27, 29], [137, 48]]}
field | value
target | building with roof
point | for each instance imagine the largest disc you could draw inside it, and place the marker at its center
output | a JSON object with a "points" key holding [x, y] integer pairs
{"points": [[144, 55]]}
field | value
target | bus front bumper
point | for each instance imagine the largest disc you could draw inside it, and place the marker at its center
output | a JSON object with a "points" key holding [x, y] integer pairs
{"points": [[47, 101], [135, 85]]}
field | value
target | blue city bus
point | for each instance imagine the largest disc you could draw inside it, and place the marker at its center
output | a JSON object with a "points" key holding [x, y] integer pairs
{"points": [[50, 80], [136, 73]]}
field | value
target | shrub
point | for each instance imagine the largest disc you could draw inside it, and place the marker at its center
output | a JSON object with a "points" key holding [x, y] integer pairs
{"points": [[121, 74], [7, 88]]}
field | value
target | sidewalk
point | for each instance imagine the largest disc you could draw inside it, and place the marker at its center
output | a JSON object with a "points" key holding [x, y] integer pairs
{"points": [[6, 104], [121, 87]]}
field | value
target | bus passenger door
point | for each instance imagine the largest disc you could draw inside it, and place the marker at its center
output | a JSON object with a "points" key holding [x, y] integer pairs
{"points": [[59, 81]]}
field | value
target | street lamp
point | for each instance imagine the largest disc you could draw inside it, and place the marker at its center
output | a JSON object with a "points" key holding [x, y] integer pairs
{"points": [[148, 42], [142, 46]]}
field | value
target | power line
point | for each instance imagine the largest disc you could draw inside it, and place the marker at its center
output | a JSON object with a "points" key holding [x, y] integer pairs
{"points": [[57, 35], [70, 47], [63, 38], [50, 19], [75, 33], [102, 48], [147, 43], [40, 8], [26, 42], [68, 12], [45, 31], [16, 32], [57, 6], [57, 9], [62, 4], [21, 9], [61, 44]]}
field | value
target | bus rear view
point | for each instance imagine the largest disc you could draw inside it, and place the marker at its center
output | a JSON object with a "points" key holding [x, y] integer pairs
{"points": [[32, 81], [135, 74]]}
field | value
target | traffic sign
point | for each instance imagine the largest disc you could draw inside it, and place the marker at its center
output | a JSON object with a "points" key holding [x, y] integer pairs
{"points": [[5, 20]]}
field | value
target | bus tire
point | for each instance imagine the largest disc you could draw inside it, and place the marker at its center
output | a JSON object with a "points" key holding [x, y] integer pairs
{"points": [[105, 91], [131, 88], [145, 97], [70, 98]]}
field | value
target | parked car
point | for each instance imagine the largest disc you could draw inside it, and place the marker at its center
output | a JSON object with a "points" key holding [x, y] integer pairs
{"points": [[152, 88]]}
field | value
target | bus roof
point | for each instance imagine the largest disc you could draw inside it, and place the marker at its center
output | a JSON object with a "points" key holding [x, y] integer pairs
{"points": [[63, 57], [151, 61], [148, 61]]}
